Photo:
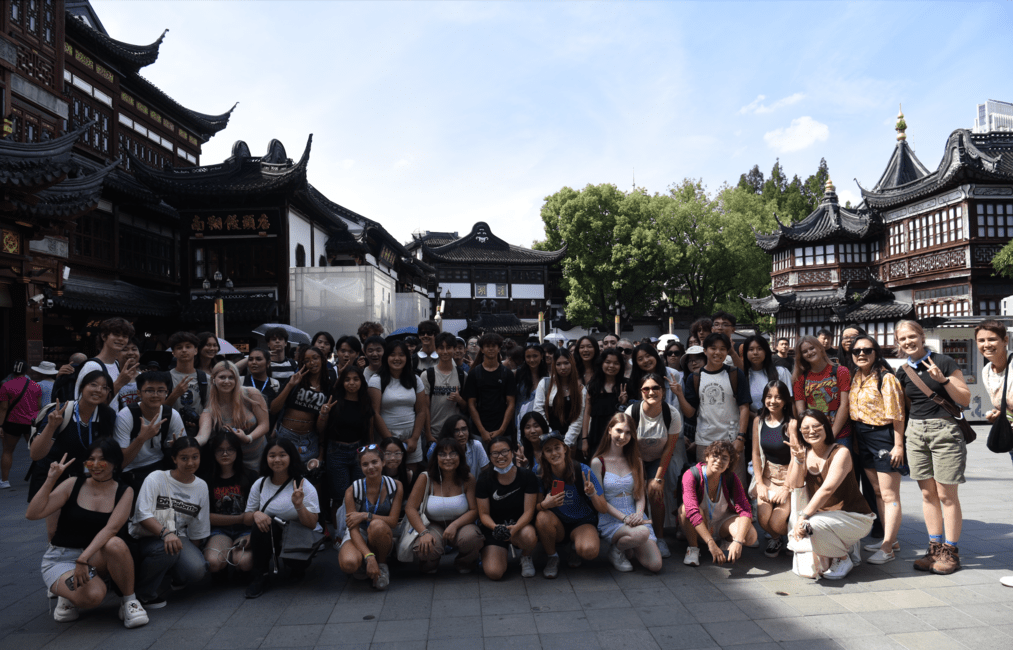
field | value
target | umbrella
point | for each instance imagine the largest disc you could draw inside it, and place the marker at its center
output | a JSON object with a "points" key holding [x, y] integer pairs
{"points": [[295, 335], [555, 336], [224, 347], [404, 331]]}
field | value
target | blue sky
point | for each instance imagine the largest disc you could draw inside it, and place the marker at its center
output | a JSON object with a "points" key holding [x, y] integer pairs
{"points": [[433, 116]]}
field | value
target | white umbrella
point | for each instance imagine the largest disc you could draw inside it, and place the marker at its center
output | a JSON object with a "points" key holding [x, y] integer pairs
{"points": [[224, 347], [555, 336]]}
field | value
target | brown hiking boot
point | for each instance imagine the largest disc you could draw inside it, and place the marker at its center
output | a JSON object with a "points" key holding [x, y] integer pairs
{"points": [[927, 561], [947, 561]]}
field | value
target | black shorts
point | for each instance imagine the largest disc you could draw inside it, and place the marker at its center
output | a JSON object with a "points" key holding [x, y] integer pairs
{"points": [[16, 430], [492, 541], [569, 527], [874, 445]]}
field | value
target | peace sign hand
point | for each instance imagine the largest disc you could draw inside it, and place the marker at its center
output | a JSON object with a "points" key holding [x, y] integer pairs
{"points": [[589, 487], [150, 430], [56, 416], [297, 495], [326, 408], [622, 395], [57, 468], [934, 371], [296, 377]]}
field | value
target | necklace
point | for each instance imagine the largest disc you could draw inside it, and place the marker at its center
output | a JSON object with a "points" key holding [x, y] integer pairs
{"points": [[98, 481]]}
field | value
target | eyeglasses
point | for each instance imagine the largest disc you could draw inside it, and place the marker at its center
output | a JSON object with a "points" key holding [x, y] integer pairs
{"points": [[463, 429], [426, 334], [369, 447], [393, 454], [651, 389], [861, 352], [154, 391], [500, 454], [225, 452], [446, 455]]}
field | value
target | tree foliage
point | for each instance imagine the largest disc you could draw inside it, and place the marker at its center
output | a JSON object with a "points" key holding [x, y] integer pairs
{"points": [[1003, 261]]}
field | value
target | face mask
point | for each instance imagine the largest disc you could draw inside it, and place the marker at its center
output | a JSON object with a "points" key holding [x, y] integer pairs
{"points": [[503, 470]]}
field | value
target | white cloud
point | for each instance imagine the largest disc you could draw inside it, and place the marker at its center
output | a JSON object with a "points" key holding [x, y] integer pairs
{"points": [[803, 132], [347, 163], [847, 195], [757, 106]]}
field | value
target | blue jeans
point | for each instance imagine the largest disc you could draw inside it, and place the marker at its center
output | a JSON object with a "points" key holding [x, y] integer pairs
{"points": [[186, 567], [342, 468], [308, 444]]}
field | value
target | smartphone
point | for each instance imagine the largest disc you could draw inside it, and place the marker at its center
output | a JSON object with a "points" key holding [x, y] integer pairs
{"points": [[558, 487], [70, 580]]}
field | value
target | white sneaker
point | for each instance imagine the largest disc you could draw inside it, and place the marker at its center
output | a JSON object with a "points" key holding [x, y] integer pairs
{"points": [[65, 611], [692, 556], [5, 485], [551, 569], [619, 561], [132, 614], [875, 546], [1007, 581], [879, 557], [839, 568], [527, 567], [856, 553], [663, 547], [572, 558], [382, 580]]}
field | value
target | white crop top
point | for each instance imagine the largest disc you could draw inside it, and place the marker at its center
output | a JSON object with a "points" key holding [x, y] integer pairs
{"points": [[446, 508]]}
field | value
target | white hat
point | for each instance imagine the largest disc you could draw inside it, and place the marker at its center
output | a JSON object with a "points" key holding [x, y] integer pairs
{"points": [[46, 368]]}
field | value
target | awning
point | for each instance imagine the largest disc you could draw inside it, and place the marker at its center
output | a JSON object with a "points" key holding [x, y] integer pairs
{"points": [[115, 297]]}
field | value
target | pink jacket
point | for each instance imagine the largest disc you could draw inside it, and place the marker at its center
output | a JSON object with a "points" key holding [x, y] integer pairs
{"points": [[732, 486]]}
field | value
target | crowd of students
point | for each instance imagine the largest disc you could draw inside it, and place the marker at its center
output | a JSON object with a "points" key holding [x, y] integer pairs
{"points": [[405, 450]]}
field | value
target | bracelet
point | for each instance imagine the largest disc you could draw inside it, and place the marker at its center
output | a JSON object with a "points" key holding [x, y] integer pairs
{"points": [[943, 383], [368, 555], [798, 461]]}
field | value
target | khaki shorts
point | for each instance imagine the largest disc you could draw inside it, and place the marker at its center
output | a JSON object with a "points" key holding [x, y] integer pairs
{"points": [[936, 449]]}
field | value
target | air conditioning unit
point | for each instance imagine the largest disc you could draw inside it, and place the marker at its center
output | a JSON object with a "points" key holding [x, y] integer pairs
{"points": [[1007, 306]]}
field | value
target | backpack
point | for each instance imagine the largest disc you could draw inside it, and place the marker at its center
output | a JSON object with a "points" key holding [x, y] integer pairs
{"points": [[431, 377], [202, 385], [733, 378], [64, 385], [135, 430], [666, 414], [359, 491]]}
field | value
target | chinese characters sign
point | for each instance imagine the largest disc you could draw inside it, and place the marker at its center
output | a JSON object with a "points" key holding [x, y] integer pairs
{"points": [[239, 222]]}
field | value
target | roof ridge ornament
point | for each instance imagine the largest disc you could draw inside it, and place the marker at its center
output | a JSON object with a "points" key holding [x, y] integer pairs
{"points": [[901, 125]]}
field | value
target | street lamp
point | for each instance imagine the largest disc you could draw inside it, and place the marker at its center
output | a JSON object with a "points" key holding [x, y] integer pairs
{"points": [[219, 301]]}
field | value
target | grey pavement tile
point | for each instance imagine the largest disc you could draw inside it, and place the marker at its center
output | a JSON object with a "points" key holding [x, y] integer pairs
{"points": [[763, 608], [792, 629], [292, 636], [730, 633], [664, 615], [869, 643], [539, 586], [400, 645], [621, 619], [628, 640], [682, 637], [79, 641], [863, 602], [813, 605], [946, 618], [929, 640], [570, 640], [559, 622], [506, 605], [507, 625], [26, 641], [401, 630], [811, 644], [910, 598], [987, 613], [455, 591], [699, 593], [553, 602], [519, 642], [462, 643], [743, 589], [839, 626], [647, 597], [456, 607], [994, 591], [716, 613], [347, 633], [457, 627], [956, 595], [228, 638], [344, 646], [351, 612], [317, 613], [980, 637], [511, 586], [894, 621], [406, 606], [602, 600]]}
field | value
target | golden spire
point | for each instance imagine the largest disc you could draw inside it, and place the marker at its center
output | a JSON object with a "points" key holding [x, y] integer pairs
{"points": [[901, 125], [830, 186]]}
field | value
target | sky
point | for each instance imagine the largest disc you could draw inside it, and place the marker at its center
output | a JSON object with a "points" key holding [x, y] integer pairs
{"points": [[436, 115]]}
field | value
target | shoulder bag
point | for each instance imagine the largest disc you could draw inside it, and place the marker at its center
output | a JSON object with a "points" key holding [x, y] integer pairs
{"points": [[1000, 436], [406, 547], [10, 409], [954, 411]]}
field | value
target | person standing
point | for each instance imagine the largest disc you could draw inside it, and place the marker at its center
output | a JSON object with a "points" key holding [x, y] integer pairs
{"points": [[189, 391], [491, 391], [145, 432], [935, 446], [783, 357], [400, 407], [374, 348], [282, 365], [821, 384], [114, 333], [427, 356], [19, 404], [443, 383]]}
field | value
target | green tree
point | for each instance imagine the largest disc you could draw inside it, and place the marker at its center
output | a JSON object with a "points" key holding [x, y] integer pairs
{"points": [[815, 185], [752, 180], [613, 250], [1003, 261]]}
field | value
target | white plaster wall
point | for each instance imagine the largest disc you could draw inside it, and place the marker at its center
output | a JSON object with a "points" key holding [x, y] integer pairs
{"points": [[299, 232]]}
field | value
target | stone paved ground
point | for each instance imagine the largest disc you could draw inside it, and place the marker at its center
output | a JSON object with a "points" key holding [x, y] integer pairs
{"points": [[758, 604]]}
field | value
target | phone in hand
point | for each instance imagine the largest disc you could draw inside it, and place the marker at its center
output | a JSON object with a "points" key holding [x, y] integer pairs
{"points": [[70, 579], [558, 487]]}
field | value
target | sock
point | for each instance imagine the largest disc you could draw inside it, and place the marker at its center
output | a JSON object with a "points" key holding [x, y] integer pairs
{"points": [[938, 539], [949, 543], [555, 554], [127, 599]]}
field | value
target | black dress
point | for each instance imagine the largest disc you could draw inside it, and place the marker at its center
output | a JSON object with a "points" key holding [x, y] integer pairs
{"points": [[603, 407]]}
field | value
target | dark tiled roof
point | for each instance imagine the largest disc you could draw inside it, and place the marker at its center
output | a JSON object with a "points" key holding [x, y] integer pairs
{"points": [[240, 175], [70, 197], [200, 123], [32, 166], [817, 299], [967, 157], [873, 311], [481, 246], [903, 168], [502, 324], [115, 297], [125, 56], [829, 220]]}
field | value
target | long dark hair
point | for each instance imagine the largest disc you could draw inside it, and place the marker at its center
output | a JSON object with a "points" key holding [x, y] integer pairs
{"points": [[402, 469], [525, 382], [821, 417], [578, 361], [785, 394], [597, 384], [365, 405], [529, 449], [321, 375], [461, 474], [880, 366], [214, 469], [637, 375], [768, 357], [296, 468], [558, 404], [407, 378]]}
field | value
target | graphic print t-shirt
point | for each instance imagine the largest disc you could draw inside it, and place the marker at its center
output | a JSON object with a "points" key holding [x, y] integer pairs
{"points": [[189, 403], [189, 501], [306, 398], [822, 391], [506, 502]]}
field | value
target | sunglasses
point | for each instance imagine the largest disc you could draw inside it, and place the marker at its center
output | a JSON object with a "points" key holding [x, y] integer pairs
{"points": [[368, 448], [861, 352], [97, 464], [651, 389], [673, 353], [225, 452], [627, 350]]}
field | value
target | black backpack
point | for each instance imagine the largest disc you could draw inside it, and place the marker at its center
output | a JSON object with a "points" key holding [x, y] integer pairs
{"points": [[202, 385], [431, 376], [666, 414], [63, 386], [733, 378]]}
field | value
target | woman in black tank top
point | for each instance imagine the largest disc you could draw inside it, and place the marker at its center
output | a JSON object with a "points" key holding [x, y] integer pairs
{"points": [[85, 547], [771, 457]]}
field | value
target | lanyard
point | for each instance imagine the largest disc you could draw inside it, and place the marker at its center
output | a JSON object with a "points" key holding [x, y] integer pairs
{"points": [[254, 382], [379, 494], [77, 421]]}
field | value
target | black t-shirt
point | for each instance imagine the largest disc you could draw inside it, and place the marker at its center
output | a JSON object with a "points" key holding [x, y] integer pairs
{"points": [[348, 423], [506, 502], [490, 390], [306, 398], [75, 438], [227, 494], [923, 408], [788, 363]]}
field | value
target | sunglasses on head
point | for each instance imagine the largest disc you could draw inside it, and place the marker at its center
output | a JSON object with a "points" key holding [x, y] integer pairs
{"points": [[368, 448], [553, 435]]}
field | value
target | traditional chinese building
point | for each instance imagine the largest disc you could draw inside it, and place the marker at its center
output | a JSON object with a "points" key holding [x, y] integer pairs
{"points": [[487, 284], [258, 222], [94, 241], [919, 244]]}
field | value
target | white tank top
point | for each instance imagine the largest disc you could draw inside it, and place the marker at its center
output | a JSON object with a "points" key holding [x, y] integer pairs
{"points": [[446, 508]]}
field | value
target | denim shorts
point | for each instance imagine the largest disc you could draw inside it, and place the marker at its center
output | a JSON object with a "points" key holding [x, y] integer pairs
{"points": [[308, 444]]}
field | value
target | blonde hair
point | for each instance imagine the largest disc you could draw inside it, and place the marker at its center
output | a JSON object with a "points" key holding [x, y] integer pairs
{"points": [[242, 405], [802, 366], [911, 325]]}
